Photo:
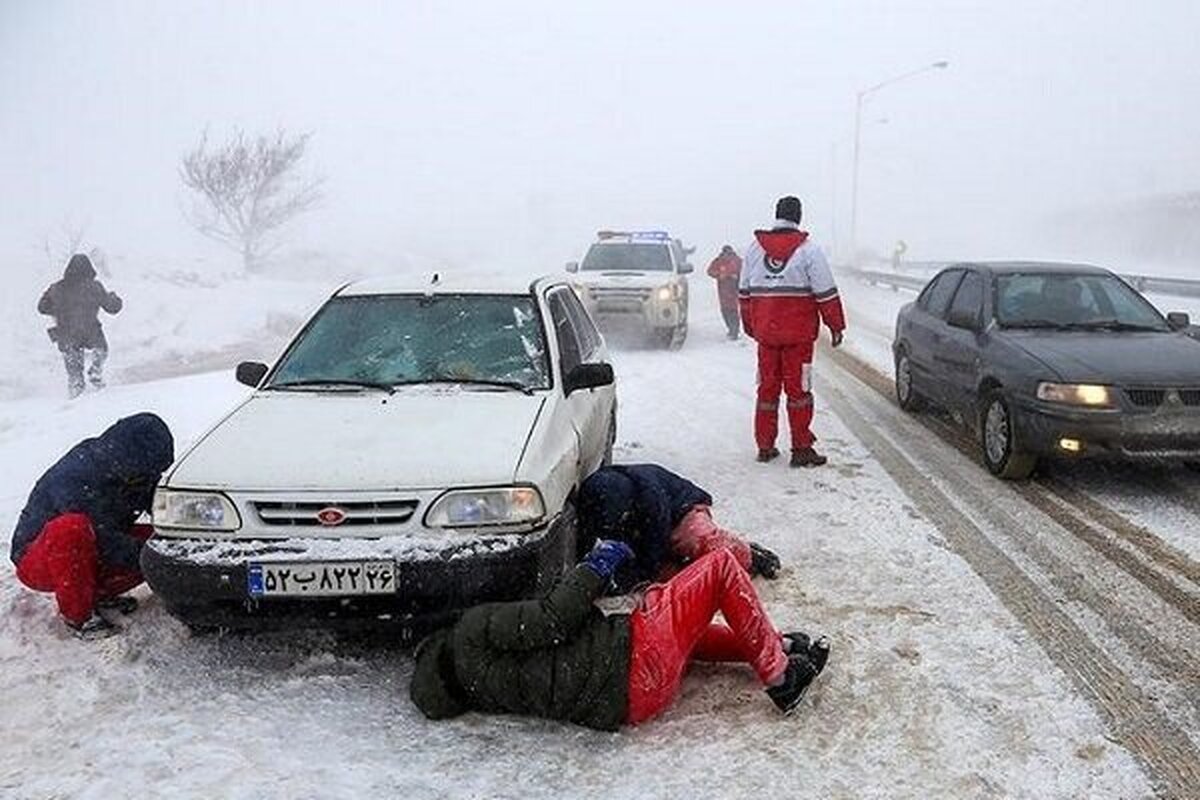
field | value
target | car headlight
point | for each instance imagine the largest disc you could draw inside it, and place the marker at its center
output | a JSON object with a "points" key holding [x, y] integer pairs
{"points": [[664, 293], [206, 511], [473, 508], [1076, 394]]}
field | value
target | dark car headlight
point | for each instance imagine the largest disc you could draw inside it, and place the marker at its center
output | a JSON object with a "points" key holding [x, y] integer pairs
{"points": [[1091, 395]]}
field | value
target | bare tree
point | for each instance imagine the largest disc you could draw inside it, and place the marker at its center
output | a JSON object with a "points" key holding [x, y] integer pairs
{"points": [[247, 189]]}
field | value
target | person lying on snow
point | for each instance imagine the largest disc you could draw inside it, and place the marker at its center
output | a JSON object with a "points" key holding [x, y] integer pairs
{"points": [[76, 536], [560, 657], [666, 519]]}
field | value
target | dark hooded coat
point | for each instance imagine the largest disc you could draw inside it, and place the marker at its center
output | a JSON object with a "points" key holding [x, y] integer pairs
{"points": [[639, 504], [556, 657], [75, 303], [111, 479]]}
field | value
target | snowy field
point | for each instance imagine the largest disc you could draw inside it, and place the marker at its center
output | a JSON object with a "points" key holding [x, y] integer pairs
{"points": [[936, 687]]}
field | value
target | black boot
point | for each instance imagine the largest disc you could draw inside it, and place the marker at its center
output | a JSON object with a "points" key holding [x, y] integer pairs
{"points": [[808, 457], [796, 680], [763, 562], [768, 454], [799, 643], [92, 628], [122, 605]]}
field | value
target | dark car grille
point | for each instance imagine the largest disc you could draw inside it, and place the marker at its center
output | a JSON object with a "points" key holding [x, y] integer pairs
{"points": [[1153, 397], [358, 513]]}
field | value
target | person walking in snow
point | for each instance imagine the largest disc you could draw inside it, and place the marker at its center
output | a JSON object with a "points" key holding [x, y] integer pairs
{"points": [[726, 269], [77, 537], [664, 517], [786, 291], [560, 657], [75, 303]]}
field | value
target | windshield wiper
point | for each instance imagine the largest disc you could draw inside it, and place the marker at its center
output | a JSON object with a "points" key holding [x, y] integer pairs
{"points": [[383, 387], [1036, 323], [1115, 325], [520, 387]]}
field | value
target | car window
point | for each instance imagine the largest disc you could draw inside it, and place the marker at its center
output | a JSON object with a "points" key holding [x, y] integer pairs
{"points": [[585, 329], [1058, 299], [628, 257], [969, 297], [401, 339], [568, 342], [936, 297]]}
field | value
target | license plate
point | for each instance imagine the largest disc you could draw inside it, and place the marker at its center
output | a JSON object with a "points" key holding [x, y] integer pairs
{"points": [[321, 579]]}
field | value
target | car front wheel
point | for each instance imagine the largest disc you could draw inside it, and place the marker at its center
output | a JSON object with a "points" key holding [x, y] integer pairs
{"points": [[906, 394], [998, 442]]}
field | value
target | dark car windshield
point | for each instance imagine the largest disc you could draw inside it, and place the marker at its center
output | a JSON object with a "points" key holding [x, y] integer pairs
{"points": [[1073, 301], [384, 340], [627, 257]]}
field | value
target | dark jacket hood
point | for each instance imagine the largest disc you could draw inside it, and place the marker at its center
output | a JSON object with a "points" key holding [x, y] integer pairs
{"points": [[434, 688], [138, 447], [780, 243], [79, 269], [606, 504]]}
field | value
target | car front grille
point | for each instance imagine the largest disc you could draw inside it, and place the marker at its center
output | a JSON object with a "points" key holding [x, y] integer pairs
{"points": [[620, 295], [1154, 397], [353, 514]]}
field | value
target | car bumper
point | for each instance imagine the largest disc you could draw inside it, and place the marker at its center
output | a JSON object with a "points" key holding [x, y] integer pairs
{"points": [[651, 313], [1164, 434], [204, 582]]}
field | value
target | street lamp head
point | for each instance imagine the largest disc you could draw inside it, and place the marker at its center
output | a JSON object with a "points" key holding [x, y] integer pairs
{"points": [[940, 64]]}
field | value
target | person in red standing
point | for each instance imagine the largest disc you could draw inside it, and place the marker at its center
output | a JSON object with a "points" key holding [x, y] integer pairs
{"points": [[726, 269], [786, 292], [77, 536]]}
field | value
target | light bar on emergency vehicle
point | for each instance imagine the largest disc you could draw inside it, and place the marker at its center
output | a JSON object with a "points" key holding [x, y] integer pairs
{"points": [[653, 235]]}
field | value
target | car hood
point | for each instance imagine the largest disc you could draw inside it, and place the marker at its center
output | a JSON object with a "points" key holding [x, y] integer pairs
{"points": [[631, 278], [418, 438], [1123, 358]]}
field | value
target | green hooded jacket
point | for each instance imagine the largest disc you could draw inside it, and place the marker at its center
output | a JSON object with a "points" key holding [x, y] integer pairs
{"points": [[557, 657]]}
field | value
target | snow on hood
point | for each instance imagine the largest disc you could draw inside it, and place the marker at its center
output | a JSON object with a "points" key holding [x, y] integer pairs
{"points": [[1117, 358], [414, 439]]}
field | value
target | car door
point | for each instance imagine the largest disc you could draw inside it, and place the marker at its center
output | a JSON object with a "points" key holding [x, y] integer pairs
{"points": [[959, 351], [587, 408], [926, 327]]}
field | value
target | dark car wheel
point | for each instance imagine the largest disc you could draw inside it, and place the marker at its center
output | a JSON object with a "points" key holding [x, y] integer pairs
{"points": [[906, 395], [997, 441]]}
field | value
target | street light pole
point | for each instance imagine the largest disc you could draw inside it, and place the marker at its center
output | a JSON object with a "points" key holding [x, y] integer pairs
{"points": [[858, 107]]}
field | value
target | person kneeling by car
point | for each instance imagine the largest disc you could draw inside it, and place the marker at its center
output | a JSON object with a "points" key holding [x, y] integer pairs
{"points": [[560, 657], [76, 536], [666, 519]]}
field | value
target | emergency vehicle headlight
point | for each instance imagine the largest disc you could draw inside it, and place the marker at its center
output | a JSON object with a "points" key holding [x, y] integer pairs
{"points": [[664, 293], [189, 510], [474, 508], [1076, 394]]}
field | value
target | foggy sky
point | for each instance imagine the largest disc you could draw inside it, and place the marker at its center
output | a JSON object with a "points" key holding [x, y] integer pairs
{"points": [[509, 132]]}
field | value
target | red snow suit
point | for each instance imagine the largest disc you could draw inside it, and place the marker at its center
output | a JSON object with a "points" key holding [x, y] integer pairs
{"points": [[786, 291], [674, 625], [64, 559], [726, 269]]}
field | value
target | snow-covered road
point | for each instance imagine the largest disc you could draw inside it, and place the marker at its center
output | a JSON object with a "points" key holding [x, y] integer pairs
{"points": [[986, 643]]}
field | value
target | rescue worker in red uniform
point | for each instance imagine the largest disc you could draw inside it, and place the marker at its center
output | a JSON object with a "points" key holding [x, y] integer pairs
{"points": [[726, 269], [786, 292]]}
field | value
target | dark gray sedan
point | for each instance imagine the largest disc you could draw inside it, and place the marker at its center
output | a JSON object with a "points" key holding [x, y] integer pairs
{"points": [[1055, 360]]}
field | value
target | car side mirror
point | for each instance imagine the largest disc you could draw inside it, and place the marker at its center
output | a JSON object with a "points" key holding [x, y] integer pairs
{"points": [[686, 268], [251, 373], [572, 266], [1179, 321], [958, 318], [588, 376]]}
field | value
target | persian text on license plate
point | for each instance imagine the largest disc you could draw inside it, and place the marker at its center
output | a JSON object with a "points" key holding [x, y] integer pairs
{"points": [[321, 579]]}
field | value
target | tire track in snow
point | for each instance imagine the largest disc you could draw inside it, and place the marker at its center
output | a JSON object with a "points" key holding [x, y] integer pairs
{"points": [[1163, 748], [1083, 516]]}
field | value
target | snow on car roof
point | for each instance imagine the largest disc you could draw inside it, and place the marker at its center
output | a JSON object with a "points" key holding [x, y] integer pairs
{"points": [[448, 282]]}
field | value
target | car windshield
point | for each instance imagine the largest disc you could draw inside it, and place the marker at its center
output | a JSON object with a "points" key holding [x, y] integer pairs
{"points": [[631, 257], [380, 341], [1073, 301]]}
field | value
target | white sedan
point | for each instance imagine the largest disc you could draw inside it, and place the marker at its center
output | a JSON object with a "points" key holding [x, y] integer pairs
{"points": [[415, 450]]}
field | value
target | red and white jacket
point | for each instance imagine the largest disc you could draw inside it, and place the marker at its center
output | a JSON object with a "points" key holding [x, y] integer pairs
{"points": [[787, 289]]}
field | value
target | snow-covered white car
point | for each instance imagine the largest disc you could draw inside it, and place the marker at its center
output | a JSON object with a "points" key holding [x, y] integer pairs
{"points": [[415, 449], [638, 277]]}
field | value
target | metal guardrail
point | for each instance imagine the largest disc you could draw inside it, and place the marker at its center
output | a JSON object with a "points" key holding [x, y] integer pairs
{"points": [[1177, 287]]}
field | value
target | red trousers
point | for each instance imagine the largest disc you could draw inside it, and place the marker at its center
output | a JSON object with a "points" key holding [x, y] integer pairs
{"points": [[697, 534], [675, 624], [63, 559], [784, 369]]}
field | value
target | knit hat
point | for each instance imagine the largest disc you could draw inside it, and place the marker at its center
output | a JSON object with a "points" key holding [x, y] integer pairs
{"points": [[789, 208]]}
